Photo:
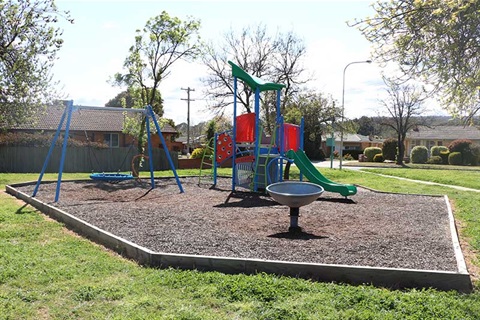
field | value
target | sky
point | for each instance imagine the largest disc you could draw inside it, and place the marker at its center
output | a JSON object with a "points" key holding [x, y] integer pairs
{"points": [[96, 45]]}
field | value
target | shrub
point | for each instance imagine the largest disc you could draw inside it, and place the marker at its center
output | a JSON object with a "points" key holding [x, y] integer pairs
{"points": [[419, 154], [370, 152], [347, 156], [435, 160], [455, 158], [378, 158], [476, 154], [355, 153], [197, 153], [464, 146], [436, 150], [389, 149], [23, 139], [444, 156]]}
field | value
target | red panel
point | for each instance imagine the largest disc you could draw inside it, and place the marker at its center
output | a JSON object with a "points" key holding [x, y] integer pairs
{"points": [[224, 147], [291, 137], [246, 127]]}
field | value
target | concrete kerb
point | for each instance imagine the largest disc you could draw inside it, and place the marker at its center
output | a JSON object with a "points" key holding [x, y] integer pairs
{"points": [[395, 278]]}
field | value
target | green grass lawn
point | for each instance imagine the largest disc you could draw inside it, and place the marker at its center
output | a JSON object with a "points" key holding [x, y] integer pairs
{"points": [[48, 272]]}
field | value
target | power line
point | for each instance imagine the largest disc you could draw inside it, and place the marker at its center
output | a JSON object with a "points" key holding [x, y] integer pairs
{"points": [[188, 89]]}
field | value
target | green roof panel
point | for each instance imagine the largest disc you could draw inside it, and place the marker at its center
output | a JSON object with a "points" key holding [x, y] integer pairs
{"points": [[252, 81]]}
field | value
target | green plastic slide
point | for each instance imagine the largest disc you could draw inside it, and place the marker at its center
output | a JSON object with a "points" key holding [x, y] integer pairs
{"points": [[307, 168]]}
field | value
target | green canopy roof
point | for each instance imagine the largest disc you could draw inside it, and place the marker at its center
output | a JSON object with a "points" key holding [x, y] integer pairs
{"points": [[252, 81]]}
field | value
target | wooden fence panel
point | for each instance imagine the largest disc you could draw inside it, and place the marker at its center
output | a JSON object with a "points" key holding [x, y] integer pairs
{"points": [[31, 159]]}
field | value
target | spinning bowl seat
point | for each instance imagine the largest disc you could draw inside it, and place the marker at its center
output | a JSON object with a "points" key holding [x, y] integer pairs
{"points": [[294, 194]]}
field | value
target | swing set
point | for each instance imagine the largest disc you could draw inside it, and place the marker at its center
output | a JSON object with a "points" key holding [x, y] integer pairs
{"points": [[67, 114]]}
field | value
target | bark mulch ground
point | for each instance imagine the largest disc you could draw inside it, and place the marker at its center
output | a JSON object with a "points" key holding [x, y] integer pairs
{"points": [[368, 229]]}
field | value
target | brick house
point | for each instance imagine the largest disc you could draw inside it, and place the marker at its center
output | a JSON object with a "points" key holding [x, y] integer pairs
{"points": [[439, 136], [351, 141], [96, 126]]}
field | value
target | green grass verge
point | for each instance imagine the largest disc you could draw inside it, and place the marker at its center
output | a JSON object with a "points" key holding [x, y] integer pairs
{"points": [[48, 272]]}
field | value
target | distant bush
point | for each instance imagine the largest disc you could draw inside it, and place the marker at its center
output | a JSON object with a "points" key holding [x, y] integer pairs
{"points": [[370, 152], [197, 153], [444, 156], [348, 157], [389, 149], [419, 154], [476, 154], [436, 150], [435, 160], [354, 153], [23, 139], [464, 146], [455, 158], [378, 158]]}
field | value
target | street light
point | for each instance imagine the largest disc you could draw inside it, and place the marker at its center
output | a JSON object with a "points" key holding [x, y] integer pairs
{"points": [[343, 109]]}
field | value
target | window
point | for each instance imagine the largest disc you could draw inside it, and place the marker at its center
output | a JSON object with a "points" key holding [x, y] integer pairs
{"points": [[111, 139], [351, 148]]}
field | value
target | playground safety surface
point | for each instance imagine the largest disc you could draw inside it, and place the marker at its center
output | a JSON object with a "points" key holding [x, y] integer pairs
{"points": [[369, 229]]}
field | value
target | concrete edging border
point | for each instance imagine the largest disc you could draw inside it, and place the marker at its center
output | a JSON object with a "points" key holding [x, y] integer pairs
{"points": [[395, 278]]}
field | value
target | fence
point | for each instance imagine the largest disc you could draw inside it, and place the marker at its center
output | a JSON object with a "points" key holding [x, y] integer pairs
{"points": [[78, 159]]}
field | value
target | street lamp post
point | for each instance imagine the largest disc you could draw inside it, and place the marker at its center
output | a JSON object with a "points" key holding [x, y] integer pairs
{"points": [[343, 109]]}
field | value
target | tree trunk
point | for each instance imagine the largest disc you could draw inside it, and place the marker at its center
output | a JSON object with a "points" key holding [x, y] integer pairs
{"points": [[401, 151]]}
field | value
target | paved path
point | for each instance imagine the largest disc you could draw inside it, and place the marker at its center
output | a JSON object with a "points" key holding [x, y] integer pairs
{"points": [[425, 182]]}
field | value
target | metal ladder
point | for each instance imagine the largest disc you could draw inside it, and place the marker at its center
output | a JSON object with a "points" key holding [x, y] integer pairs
{"points": [[206, 168], [258, 176]]}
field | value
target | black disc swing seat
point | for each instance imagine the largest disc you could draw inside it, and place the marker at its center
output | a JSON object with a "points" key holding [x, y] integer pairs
{"points": [[108, 176]]}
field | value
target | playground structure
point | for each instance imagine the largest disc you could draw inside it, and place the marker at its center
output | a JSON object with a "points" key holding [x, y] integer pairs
{"points": [[68, 112], [257, 160]]}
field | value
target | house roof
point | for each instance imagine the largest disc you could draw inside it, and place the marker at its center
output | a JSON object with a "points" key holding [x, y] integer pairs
{"points": [[83, 120], [444, 133], [353, 137]]}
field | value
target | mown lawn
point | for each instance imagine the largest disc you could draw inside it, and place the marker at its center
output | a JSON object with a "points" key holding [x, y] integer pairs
{"points": [[48, 272]]}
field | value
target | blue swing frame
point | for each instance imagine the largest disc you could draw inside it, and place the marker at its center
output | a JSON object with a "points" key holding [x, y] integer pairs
{"points": [[148, 111]]}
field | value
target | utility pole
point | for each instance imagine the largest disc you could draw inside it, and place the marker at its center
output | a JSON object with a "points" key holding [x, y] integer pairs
{"points": [[188, 115]]}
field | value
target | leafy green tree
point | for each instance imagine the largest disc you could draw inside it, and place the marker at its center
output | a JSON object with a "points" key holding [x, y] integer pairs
{"points": [[29, 42], [210, 133], [125, 99], [317, 111], [163, 41], [367, 126], [435, 41]]}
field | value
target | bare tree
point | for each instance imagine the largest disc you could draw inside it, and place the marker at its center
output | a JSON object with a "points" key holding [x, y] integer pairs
{"points": [[404, 104], [273, 58]]}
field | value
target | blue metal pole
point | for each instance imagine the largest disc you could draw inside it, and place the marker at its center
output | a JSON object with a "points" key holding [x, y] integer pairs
{"points": [[150, 156], [162, 139], [64, 149], [234, 134], [257, 136], [50, 151], [277, 118], [302, 128]]}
